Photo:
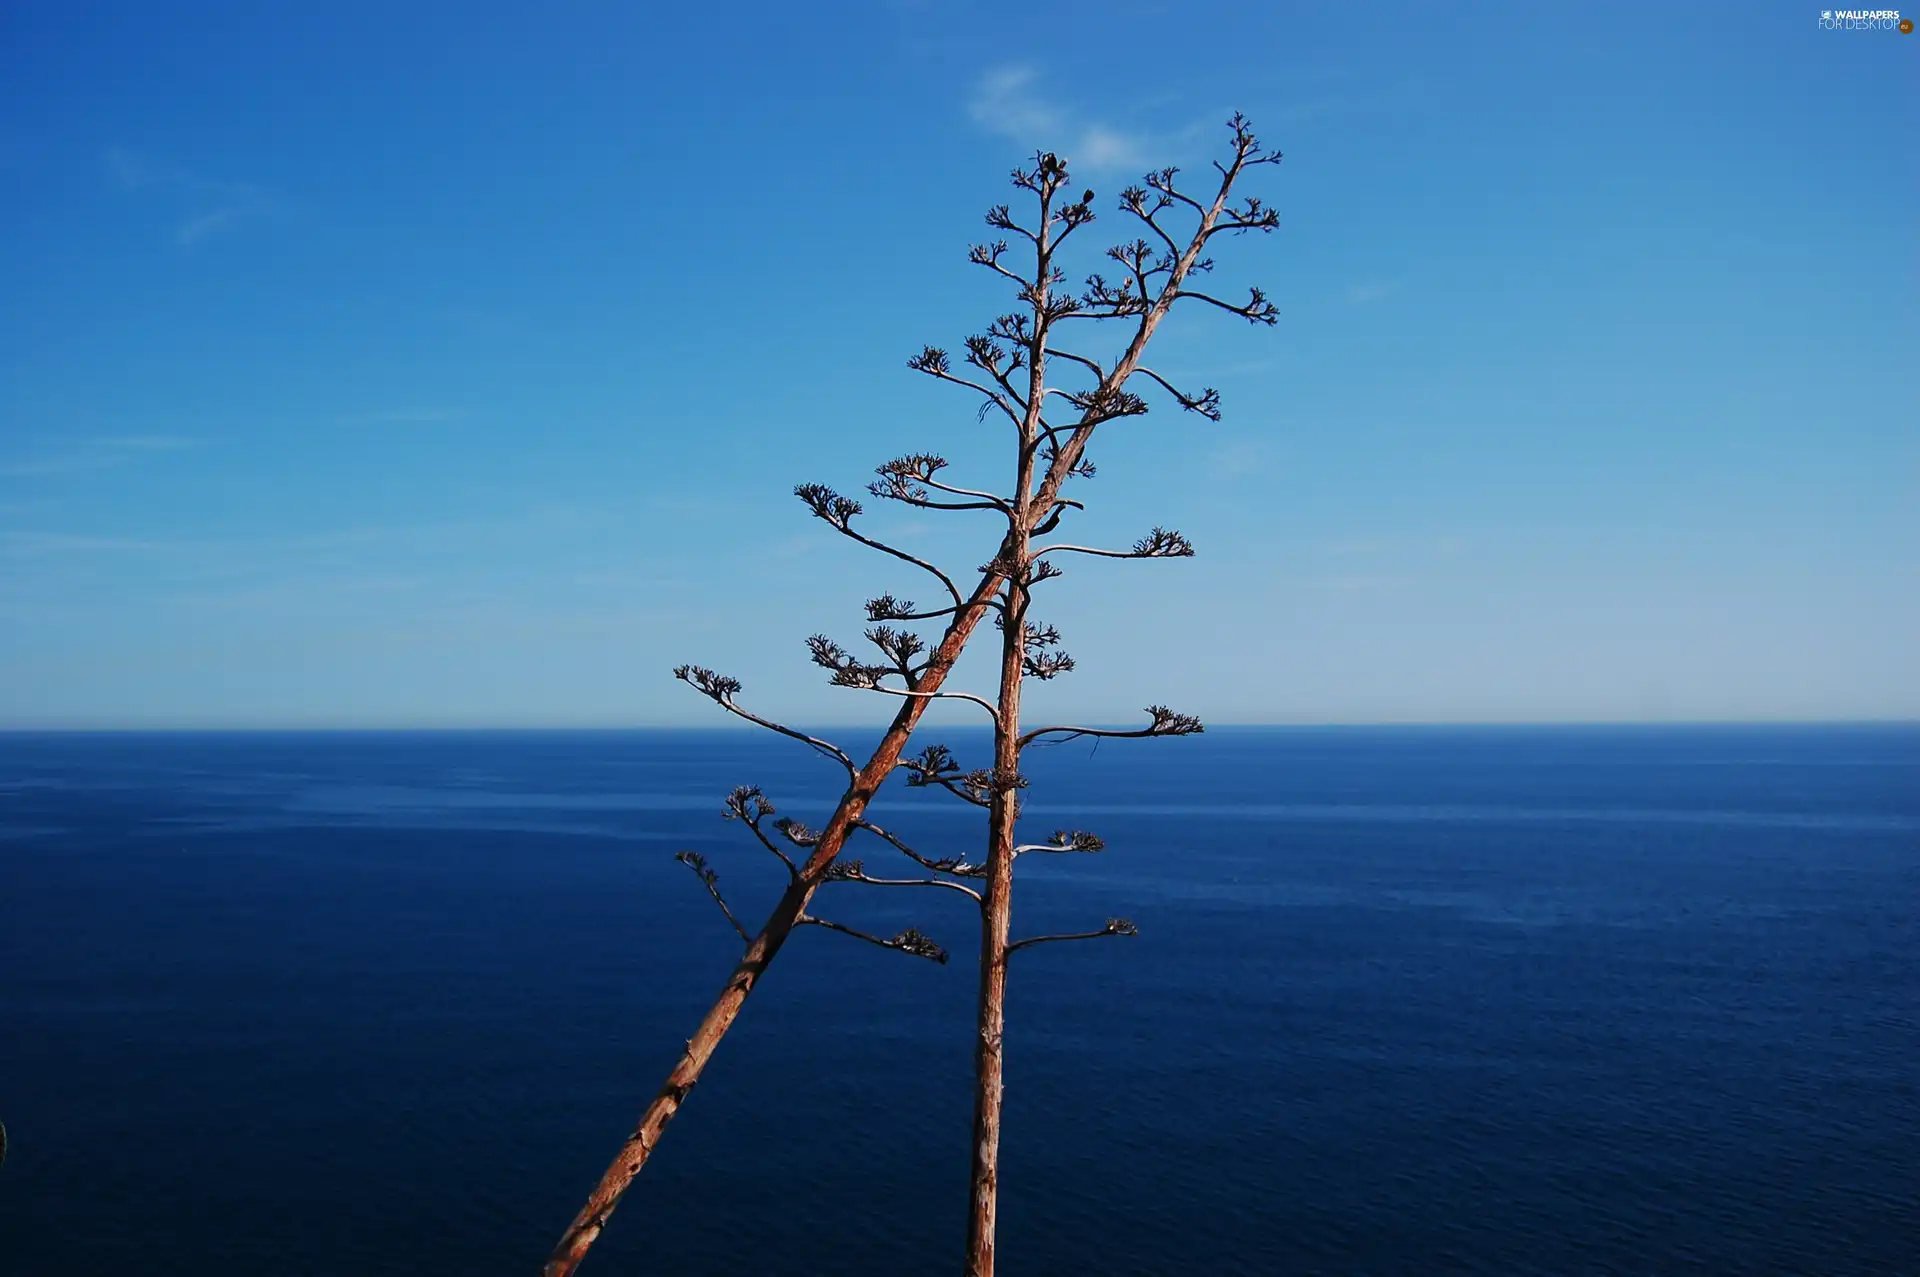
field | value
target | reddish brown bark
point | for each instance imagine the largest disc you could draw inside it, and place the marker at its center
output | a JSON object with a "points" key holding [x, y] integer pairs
{"points": [[997, 900], [633, 1155], [996, 916]]}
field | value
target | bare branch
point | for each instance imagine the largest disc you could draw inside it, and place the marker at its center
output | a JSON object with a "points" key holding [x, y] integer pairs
{"points": [[912, 940], [1040, 658], [1114, 927], [981, 701], [897, 844], [796, 832], [902, 479], [721, 690], [1001, 219], [1060, 507], [1246, 147], [895, 489], [1102, 300], [838, 512], [827, 504], [849, 672], [1206, 403], [1046, 666], [933, 362], [1014, 328], [898, 646], [844, 870], [698, 863], [1103, 404], [1161, 543], [1001, 502], [1143, 263], [888, 608], [987, 354], [1074, 216], [935, 766], [1162, 181], [1135, 200], [946, 864], [1106, 301], [750, 806], [1164, 722], [1054, 352], [1253, 215], [1257, 310], [846, 671], [1065, 840], [988, 255]]}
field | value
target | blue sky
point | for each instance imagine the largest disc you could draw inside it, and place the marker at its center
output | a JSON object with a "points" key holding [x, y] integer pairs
{"points": [[452, 364]]}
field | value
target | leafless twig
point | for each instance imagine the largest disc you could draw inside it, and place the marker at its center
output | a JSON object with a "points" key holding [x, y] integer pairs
{"points": [[1114, 927]]}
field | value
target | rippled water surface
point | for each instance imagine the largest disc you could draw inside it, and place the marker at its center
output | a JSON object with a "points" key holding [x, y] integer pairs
{"points": [[1629, 1001]]}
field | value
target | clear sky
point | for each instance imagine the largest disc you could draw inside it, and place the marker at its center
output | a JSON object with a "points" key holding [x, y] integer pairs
{"points": [[448, 364]]}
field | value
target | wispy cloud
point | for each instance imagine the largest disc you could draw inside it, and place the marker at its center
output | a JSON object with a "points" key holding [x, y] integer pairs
{"points": [[378, 549], [93, 454], [203, 205], [1009, 101], [38, 545]]}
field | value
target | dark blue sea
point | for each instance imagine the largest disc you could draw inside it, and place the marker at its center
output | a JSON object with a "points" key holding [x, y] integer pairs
{"points": [[1501, 1000]]}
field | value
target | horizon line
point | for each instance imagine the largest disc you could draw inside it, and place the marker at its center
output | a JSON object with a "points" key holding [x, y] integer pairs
{"points": [[180, 729]]}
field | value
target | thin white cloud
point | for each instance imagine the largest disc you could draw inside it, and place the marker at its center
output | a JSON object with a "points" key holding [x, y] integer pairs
{"points": [[1004, 103], [197, 228], [1009, 101], [35, 545], [92, 454], [1104, 148], [205, 205]]}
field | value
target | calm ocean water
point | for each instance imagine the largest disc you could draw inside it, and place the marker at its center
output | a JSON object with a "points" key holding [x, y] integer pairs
{"points": [[1559, 1001]]}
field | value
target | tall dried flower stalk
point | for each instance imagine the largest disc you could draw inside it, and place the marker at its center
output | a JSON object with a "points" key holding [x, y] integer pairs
{"points": [[1008, 365]]}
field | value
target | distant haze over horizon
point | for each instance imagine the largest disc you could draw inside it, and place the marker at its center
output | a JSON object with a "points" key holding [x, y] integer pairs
{"points": [[336, 395], [949, 730]]}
